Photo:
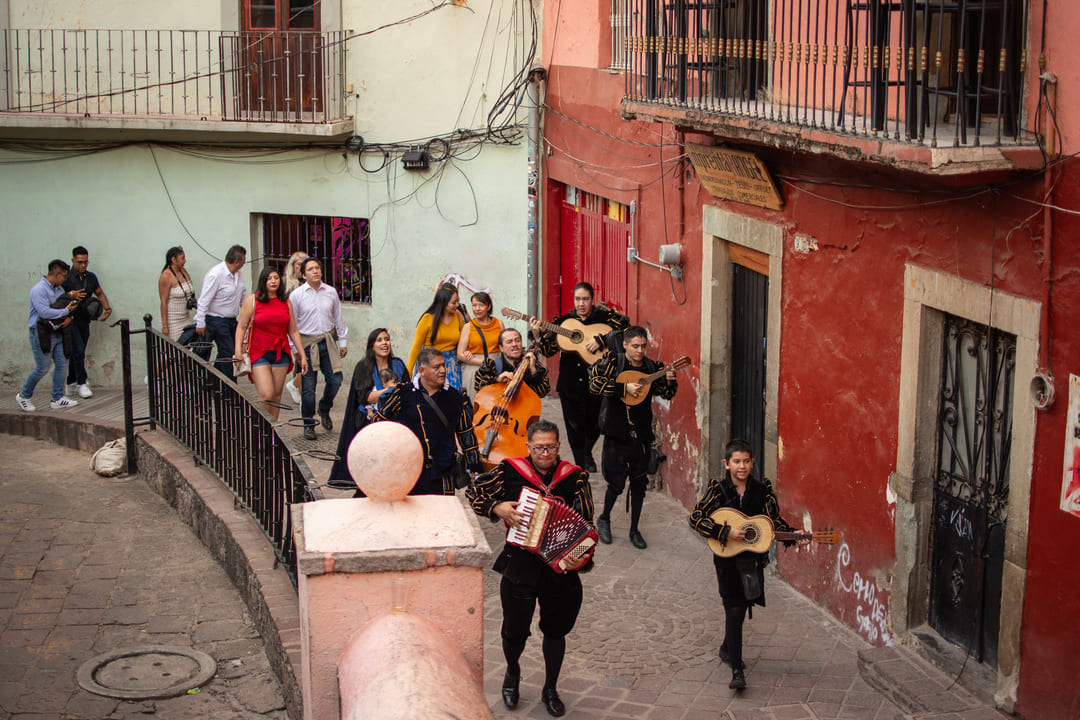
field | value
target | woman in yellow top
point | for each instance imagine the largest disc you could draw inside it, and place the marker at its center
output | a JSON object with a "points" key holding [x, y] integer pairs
{"points": [[479, 339], [442, 335]]}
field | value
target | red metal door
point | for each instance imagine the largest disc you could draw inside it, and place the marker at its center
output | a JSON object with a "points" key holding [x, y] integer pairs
{"points": [[570, 253]]}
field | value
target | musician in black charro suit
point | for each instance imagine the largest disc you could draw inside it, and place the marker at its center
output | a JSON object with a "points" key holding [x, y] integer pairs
{"points": [[627, 429], [581, 410], [526, 578], [501, 368], [741, 578]]}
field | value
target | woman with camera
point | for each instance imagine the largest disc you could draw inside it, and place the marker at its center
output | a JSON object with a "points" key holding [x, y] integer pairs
{"points": [[177, 294]]}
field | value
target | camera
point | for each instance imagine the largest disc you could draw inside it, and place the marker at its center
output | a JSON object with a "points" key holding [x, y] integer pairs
{"points": [[192, 303]]}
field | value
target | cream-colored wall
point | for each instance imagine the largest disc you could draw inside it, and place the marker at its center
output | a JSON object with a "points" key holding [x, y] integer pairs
{"points": [[135, 14], [435, 74], [116, 205], [466, 216]]}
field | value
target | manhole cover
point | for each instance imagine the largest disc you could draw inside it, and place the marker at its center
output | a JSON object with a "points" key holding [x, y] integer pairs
{"points": [[146, 672]]}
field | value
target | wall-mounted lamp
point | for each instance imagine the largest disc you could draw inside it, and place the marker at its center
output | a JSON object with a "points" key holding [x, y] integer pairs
{"points": [[670, 255]]}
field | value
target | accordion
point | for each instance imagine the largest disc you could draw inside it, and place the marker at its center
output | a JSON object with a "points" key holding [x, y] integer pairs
{"points": [[553, 531]]}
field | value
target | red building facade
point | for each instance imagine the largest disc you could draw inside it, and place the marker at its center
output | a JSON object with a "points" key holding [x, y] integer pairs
{"points": [[886, 334]]}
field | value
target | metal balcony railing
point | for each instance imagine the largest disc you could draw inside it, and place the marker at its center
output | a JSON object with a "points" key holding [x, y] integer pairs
{"points": [[922, 71], [256, 76], [236, 440]]}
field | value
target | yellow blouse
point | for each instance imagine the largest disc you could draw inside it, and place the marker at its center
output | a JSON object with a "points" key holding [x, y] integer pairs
{"points": [[491, 329], [449, 334]]}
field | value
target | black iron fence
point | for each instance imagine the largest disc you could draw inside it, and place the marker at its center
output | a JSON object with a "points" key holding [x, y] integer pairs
{"points": [[258, 76], [207, 413], [910, 70]]}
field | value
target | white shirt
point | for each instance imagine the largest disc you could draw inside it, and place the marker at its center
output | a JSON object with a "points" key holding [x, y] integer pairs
{"points": [[222, 293], [318, 311]]}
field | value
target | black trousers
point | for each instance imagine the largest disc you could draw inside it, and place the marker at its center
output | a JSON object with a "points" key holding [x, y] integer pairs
{"points": [[581, 414], [625, 459], [559, 597], [734, 617]]}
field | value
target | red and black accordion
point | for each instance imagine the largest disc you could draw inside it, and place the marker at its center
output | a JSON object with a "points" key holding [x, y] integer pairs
{"points": [[553, 531]]}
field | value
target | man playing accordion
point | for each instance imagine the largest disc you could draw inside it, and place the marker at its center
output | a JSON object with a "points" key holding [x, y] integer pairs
{"points": [[526, 578]]}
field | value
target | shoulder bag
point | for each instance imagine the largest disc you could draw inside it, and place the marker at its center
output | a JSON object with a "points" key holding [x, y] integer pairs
{"points": [[461, 477]]}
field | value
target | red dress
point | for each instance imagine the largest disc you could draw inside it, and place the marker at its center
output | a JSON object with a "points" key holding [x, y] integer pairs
{"points": [[270, 330]]}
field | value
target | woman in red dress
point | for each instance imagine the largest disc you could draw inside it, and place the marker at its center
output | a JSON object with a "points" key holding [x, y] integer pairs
{"points": [[263, 330]]}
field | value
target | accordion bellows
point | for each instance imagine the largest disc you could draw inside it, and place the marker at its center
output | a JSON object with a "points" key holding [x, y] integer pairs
{"points": [[553, 531]]}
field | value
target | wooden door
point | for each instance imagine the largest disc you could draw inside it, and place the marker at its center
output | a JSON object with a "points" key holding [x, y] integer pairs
{"points": [[281, 52]]}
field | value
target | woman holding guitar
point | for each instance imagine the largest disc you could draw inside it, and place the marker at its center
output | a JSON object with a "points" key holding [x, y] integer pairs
{"points": [[581, 410], [741, 578]]}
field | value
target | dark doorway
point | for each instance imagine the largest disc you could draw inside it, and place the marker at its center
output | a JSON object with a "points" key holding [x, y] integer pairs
{"points": [[971, 488], [749, 321]]}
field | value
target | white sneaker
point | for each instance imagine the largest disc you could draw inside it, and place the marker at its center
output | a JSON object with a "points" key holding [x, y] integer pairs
{"points": [[63, 403], [70, 389], [84, 391], [24, 403], [294, 392]]}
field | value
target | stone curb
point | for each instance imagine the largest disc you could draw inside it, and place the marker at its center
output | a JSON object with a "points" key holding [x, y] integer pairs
{"points": [[230, 534]]}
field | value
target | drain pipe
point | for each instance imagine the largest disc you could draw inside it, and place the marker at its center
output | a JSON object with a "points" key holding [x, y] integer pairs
{"points": [[536, 76]]}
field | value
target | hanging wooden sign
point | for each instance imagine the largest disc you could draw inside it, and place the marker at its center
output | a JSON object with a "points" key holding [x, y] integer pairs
{"points": [[734, 175]]}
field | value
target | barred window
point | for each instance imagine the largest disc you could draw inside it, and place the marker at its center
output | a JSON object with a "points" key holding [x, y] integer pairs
{"points": [[620, 22], [343, 245]]}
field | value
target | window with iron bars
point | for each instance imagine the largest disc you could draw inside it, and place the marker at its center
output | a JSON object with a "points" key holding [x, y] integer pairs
{"points": [[620, 23], [342, 244]]}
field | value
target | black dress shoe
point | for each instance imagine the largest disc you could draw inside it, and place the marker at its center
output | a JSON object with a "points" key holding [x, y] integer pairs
{"points": [[510, 692], [590, 465], [637, 541], [738, 679], [326, 421], [603, 529], [309, 432], [554, 705]]}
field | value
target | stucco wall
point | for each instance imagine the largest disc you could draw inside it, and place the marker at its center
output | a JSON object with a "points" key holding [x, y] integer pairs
{"points": [[115, 203]]}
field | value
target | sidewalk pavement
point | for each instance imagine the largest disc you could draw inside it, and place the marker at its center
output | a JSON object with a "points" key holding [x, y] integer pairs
{"points": [[645, 645]]}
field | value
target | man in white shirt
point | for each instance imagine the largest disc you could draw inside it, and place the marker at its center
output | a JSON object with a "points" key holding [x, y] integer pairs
{"points": [[318, 313], [223, 291]]}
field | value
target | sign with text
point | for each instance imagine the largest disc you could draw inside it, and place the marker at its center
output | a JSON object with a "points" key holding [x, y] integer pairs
{"points": [[734, 175], [1070, 483]]}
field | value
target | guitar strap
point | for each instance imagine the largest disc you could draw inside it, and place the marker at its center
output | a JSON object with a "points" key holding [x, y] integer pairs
{"points": [[526, 470]]}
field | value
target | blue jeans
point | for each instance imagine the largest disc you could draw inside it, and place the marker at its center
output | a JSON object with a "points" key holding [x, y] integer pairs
{"points": [[41, 366], [80, 336], [223, 332], [308, 382]]}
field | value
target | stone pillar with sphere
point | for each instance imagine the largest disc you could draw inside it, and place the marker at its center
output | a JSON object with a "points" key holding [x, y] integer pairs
{"points": [[391, 592]]}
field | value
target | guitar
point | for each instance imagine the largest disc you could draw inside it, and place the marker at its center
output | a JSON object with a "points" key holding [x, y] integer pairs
{"points": [[760, 534], [572, 335], [635, 376]]}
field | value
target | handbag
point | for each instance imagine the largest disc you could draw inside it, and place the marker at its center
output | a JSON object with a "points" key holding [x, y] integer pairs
{"points": [[461, 474], [242, 366]]}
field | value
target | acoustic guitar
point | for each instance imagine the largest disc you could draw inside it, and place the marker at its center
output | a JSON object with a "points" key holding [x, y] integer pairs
{"points": [[636, 376], [572, 335], [760, 534]]}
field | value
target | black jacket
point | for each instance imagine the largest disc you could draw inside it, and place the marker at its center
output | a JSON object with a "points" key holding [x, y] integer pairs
{"points": [[617, 419]]}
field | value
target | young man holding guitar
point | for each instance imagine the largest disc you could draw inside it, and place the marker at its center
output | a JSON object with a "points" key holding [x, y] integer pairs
{"points": [[622, 381], [741, 578], [581, 410]]}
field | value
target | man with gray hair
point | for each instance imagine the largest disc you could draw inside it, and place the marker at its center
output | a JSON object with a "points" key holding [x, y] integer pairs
{"points": [[223, 290], [438, 415]]}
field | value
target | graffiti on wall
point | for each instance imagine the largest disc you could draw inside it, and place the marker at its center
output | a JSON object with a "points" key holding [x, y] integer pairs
{"points": [[870, 611]]}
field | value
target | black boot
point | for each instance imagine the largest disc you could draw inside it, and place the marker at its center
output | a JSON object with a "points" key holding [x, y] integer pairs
{"points": [[510, 688], [738, 679], [603, 529]]}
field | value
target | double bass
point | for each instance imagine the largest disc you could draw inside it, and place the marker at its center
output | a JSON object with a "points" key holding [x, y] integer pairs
{"points": [[504, 413]]}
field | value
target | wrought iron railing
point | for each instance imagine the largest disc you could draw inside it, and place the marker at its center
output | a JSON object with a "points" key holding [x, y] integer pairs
{"points": [[278, 77], [925, 71], [207, 413]]}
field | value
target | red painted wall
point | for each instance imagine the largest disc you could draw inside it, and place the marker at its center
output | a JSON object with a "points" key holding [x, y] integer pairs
{"points": [[842, 313]]}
